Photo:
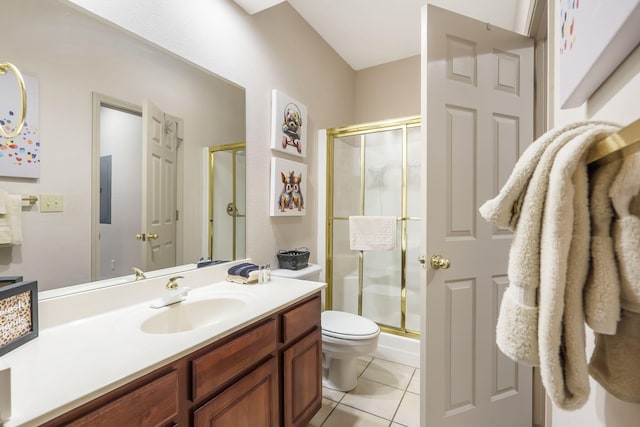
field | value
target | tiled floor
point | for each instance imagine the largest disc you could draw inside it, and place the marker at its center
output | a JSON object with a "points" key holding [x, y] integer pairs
{"points": [[387, 395]]}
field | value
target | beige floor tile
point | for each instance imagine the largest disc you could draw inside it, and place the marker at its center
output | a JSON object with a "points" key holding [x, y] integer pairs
{"points": [[323, 413], [414, 385], [374, 398], [332, 394], [345, 416], [397, 425], [409, 411], [362, 362], [389, 373]]}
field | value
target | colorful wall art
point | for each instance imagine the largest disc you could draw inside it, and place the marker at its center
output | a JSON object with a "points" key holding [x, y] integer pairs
{"points": [[288, 125], [288, 188], [594, 37], [20, 155]]}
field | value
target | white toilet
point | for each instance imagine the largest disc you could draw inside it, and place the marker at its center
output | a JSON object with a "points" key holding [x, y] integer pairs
{"points": [[345, 336]]}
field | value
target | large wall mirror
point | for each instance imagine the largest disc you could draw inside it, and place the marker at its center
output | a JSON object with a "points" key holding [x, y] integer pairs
{"points": [[101, 91]]}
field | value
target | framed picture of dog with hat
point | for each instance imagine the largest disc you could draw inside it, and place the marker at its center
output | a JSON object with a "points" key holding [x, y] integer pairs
{"points": [[288, 124]]}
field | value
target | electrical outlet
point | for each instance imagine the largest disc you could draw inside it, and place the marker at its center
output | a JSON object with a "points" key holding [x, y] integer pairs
{"points": [[51, 203]]}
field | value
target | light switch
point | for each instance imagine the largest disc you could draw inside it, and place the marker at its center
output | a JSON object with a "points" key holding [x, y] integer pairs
{"points": [[51, 203]]}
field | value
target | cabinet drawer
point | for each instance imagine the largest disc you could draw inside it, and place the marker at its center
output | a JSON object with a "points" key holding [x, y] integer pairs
{"points": [[212, 370], [252, 401], [150, 405], [300, 319]]}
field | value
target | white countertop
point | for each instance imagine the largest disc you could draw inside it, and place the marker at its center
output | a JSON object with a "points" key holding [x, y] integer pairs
{"points": [[77, 360]]}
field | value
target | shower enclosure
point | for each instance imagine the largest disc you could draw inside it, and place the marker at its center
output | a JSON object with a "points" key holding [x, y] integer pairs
{"points": [[374, 169], [227, 202]]}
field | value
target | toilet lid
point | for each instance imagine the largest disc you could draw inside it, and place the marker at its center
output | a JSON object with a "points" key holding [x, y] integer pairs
{"points": [[340, 324]]}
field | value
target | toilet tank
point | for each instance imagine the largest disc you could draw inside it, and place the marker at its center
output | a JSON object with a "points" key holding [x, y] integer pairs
{"points": [[310, 272]]}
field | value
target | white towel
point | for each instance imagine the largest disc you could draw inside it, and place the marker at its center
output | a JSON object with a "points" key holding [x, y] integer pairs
{"points": [[372, 233], [627, 232], [11, 222], [4, 197], [602, 289]]}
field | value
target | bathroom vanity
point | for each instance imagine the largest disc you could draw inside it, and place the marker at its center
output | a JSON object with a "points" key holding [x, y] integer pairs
{"points": [[259, 364]]}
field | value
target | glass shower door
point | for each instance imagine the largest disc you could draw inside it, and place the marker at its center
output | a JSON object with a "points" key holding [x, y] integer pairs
{"points": [[375, 172]]}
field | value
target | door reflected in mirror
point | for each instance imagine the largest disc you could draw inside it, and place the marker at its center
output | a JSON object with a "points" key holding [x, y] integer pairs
{"points": [[137, 187], [227, 202]]}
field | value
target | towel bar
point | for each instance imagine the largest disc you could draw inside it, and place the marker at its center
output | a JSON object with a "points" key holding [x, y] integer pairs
{"points": [[621, 144], [31, 199]]}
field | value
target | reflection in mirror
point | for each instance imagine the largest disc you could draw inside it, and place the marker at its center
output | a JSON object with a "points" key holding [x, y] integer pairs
{"points": [[136, 187], [227, 202], [120, 133], [74, 55]]}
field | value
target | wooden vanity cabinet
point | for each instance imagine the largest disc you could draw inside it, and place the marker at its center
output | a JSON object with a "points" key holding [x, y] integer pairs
{"points": [[268, 374], [301, 363]]}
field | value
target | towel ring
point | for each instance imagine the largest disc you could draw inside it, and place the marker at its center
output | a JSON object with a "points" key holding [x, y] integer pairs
{"points": [[23, 94]]}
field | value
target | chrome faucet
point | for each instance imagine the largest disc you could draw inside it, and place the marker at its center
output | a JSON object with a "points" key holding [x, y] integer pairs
{"points": [[139, 274], [173, 293]]}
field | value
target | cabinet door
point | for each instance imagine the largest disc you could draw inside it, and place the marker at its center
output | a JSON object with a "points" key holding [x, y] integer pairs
{"points": [[302, 375], [153, 404], [251, 402]]}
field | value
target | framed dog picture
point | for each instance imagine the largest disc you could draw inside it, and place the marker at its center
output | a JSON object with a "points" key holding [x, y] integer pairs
{"points": [[288, 188], [288, 125]]}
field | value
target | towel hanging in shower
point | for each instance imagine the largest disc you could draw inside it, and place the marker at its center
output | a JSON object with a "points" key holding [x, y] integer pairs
{"points": [[372, 233]]}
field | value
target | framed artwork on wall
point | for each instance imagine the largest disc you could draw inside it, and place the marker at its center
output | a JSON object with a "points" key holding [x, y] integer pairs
{"points": [[288, 124], [18, 312], [593, 39], [288, 187], [20, 155]]}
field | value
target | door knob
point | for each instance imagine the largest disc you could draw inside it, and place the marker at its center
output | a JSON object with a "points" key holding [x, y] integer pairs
{"points": [[153, 236], [141, 236], [439, 262]]}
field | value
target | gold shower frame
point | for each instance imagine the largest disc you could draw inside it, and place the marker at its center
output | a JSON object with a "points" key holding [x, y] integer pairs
{"points": [[234, 148], [403, 123]]}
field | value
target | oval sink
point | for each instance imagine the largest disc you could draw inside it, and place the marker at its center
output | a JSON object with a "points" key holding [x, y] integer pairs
{"points": [[189, 315]]}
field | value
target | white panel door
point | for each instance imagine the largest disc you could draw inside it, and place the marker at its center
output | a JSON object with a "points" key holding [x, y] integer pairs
{"points": [[478, 118], [159, 189]]}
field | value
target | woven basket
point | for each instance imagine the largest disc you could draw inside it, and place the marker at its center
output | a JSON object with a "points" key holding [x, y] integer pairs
{"points": [[296, 259]]}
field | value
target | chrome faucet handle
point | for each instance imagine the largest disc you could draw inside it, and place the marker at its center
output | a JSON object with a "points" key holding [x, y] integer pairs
{"points": [[139, 273], [173, 282]]}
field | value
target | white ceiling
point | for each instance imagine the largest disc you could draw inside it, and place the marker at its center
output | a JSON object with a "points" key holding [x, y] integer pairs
{"points": [[366, 33]]}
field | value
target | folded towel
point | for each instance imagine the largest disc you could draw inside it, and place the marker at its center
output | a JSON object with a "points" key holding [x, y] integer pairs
{"points": [[4, 197], [243, 273], [242, 269], [372, 233], [11, 222], [253, 278]]}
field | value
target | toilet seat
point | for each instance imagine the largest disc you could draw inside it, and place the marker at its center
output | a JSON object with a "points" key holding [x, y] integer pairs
{"points": [[348, 326]]}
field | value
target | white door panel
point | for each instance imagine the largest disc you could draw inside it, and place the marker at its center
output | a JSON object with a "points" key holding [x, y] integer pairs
{"points": [[159, 190], [478, 94]]}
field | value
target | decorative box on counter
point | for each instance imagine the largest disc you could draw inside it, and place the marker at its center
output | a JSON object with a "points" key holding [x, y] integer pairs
{"points": [[18, 312], [295, 259]]}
